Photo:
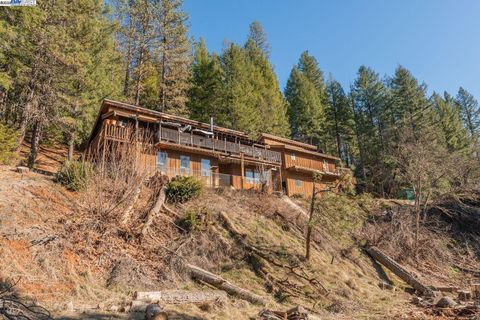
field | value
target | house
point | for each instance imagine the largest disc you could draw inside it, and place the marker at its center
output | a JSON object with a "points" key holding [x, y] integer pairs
{"points": [[300, 161], [177, 146], [220, 157]]}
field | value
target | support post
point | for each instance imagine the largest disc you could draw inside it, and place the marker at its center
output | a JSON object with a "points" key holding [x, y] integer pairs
{"points": [[242, 171]]}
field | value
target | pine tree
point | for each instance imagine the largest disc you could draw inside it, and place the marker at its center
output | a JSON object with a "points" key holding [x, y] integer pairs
{"points": [[470, 115], [206, 95], [174, 57], [240, 99], [258, 36], [272, 107], [340, 123], [447, 118], [410, 106], [305, 110], [91, 69], [309, 67], [370, 97]]}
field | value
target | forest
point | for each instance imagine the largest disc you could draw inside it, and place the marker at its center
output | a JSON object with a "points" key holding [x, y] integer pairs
{"points": [[59, 60]]}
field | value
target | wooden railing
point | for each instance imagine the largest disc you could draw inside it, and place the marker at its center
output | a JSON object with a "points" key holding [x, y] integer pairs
{"points": [[189, 139]]}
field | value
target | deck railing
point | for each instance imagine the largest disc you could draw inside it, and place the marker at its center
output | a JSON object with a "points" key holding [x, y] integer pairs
{"points": [[190, 139]]}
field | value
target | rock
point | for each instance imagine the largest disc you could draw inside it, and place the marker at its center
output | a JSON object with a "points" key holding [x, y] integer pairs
{"points": [[446, 302], [154, 311], [464, 295], [21, 169], [385, 286]]}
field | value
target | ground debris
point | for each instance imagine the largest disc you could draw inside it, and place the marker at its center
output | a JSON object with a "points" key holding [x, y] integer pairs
{"points": [[297, 313]]}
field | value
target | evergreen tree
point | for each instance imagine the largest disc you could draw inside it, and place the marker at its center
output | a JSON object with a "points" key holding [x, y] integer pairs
{"points": [[174, 57], [272, 107], [206, 95], [240, 98], [305, 110], [470, 115], [370, 97], [339, 121], [453, 135], [410, 106], [258, 36], [309, 67]]}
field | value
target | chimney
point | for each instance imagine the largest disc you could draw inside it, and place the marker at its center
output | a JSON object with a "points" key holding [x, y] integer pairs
{"points": [[211, 124]]}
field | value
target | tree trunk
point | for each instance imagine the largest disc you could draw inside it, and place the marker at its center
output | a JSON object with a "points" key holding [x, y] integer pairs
{"points": [[308, 238], [71, 144], [126, 83], [224, 285], [398, 270], [34, 144]]}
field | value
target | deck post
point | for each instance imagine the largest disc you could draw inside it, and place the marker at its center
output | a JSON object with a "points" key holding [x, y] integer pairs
{"points": [[242, 170]]}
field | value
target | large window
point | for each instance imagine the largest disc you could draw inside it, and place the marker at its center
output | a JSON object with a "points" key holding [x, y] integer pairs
{"points": [[185, 165], [162, 160], [252, 176], [205, 167]]}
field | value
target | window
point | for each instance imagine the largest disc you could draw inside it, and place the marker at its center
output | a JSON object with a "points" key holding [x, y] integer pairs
{"points": [[162, 160], [252, 176], [122, 123], [205, 167], [292, 156], [249, 175], [298, 183], [184, 165]]}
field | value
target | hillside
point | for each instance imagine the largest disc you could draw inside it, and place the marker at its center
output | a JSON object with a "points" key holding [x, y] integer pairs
{"points": [[73, 261]]}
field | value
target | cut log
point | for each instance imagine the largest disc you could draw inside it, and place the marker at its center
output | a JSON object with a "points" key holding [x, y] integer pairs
{"points": [[222, 284], [181, 296], [157, 207], [398, 270], [21, 169]]}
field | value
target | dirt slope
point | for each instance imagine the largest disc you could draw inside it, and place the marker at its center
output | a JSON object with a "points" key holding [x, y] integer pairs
{"points": [[71, 260]]}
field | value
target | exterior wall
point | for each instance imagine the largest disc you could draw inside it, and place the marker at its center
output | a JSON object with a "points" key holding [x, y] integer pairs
{"points": [[173, 165], [308, 161], [306, 184]]}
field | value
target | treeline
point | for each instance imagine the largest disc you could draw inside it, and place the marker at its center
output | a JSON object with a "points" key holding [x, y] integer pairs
{"points": [[58, 61]]}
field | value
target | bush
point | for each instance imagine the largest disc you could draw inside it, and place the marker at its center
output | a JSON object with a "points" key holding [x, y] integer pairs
{"points": [[196, 219], [8, 139], [74, 175], [182, 189]]}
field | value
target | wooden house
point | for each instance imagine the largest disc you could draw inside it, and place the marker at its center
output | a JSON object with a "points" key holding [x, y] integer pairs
{"points": [[300, 161], [220, 157], [178, 146]]}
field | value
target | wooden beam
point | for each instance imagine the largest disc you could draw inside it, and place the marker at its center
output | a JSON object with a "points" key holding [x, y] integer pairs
{"points": [[242, 170]]}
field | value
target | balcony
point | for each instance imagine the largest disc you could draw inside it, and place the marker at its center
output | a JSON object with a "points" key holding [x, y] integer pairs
{"points": [[192, 140]]}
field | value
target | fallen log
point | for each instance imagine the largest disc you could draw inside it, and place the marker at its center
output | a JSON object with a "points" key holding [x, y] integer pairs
{"points": [[398, 270], [180, 296], [157, 207], [222, 284]]}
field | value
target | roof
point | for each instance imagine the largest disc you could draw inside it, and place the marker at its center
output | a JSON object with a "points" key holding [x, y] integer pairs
{"points": [[158, 114], [288, 141]]}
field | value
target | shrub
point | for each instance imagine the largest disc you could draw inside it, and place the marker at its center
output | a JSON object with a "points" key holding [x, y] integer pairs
{"points": [[8, 139], [182, 189], [74, 175], [196, 219]]}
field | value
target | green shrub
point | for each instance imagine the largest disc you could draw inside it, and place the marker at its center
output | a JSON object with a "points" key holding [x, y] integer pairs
{"points": [[182, 189], [196, 219], [8, 139], [74, 175]]}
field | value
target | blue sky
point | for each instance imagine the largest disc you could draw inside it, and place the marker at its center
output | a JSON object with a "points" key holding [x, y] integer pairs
{"points": [[438, 40]]}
